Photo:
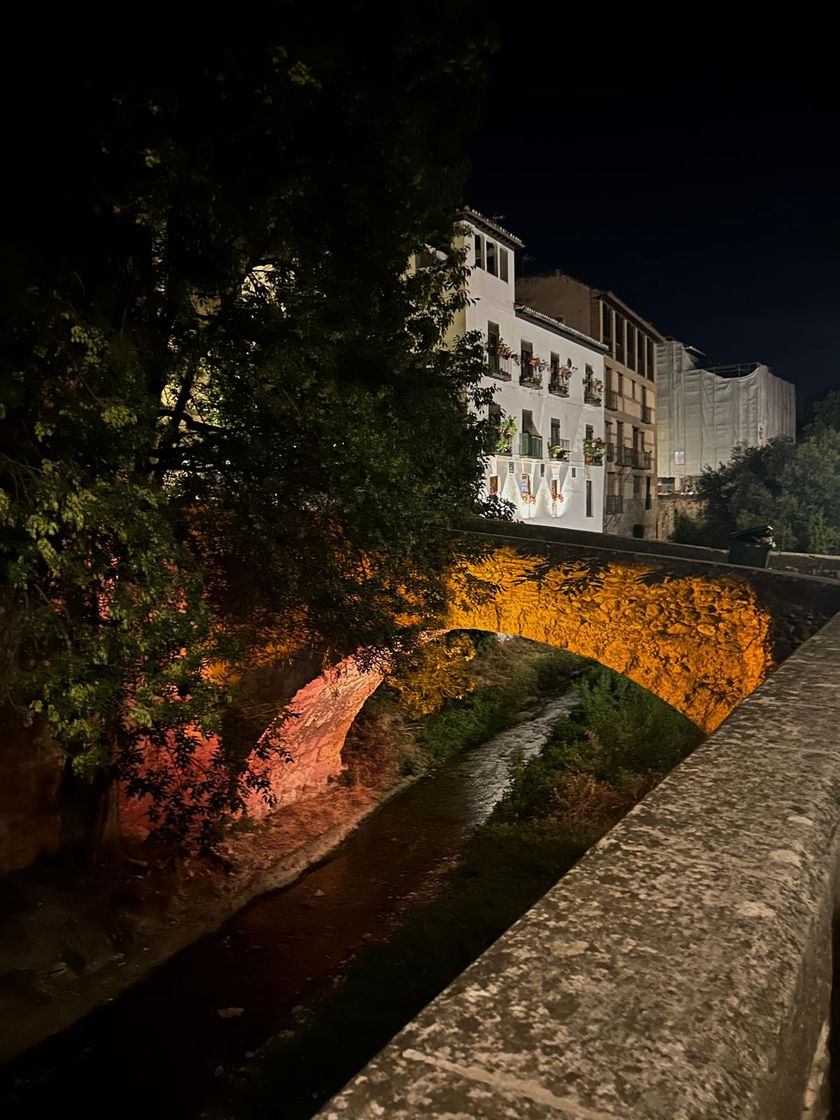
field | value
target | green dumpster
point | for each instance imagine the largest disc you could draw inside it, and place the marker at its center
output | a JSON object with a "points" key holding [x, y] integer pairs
{"points": [[751, 547]]}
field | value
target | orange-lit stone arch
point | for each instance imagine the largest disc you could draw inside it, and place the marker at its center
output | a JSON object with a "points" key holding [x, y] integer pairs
{"points": [[700, 643]]}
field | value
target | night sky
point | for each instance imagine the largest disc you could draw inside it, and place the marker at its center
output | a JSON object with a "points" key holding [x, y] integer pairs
{"points": [[706, 198]]}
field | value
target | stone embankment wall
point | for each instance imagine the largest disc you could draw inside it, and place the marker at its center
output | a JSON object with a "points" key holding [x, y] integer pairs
{"points": [[682, 971]]}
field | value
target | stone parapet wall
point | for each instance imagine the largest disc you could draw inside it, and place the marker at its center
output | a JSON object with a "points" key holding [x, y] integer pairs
{"points": [[806, 563], [682, 971]]}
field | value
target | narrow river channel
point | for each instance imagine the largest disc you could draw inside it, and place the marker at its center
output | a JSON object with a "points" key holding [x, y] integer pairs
{"points": [[158, 1049]]}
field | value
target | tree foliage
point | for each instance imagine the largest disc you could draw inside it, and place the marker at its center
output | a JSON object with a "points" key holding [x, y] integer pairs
{"points": [[617, 734], [793, 487], [224, 395]]}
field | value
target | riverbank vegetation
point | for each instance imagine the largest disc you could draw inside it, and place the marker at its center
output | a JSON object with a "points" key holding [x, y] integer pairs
{"points": [[616, 745], [453, 693]]}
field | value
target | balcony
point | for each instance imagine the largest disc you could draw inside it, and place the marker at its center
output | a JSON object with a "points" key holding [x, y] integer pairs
{"points": [[635, 457], [592, 394], [498, 367], [593, 452], [624, 456], [530, 446], [559, 452], [531, 378], [647, 414], [558, 384], [612, 400], [614, 503]]}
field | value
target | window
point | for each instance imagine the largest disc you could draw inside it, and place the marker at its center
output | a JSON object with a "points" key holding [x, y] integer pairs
{"points": [[528, 422], [479, 251], [606, 325], [637, 486], [542, 470], [495, 414], [642, 349], [491, 257], [647, 491], [528, 375], [632, 389], [555, 432], [620, 384], [590, 432], [525, 484], [555, 362], [619, 338], [493, 347], [631, 344], [493, 484], [651, 362], [574, 472], [589, 497], [503, 264]]}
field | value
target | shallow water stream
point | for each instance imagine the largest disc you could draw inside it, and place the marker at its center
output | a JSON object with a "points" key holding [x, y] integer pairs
{"points": [[157, 1049]]}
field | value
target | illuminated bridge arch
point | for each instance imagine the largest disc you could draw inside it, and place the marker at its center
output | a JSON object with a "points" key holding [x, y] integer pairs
{"points": [[696, 632], [699, 642]]}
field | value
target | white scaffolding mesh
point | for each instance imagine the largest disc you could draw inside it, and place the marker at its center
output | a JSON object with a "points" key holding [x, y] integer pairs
{"points": [[701, 415]]}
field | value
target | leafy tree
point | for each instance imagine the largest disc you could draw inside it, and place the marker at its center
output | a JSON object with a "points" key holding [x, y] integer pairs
{"points": [[434, 673], [224, 396], [825, 414], [808, 508], [793, 487], [740, 493]]}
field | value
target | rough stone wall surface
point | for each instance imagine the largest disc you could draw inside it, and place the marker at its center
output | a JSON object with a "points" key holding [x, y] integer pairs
{"points": [[700, 643], [312, 736], [682, 970], [669, 505]]}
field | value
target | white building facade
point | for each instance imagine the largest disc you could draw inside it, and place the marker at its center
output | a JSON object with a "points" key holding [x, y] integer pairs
{"points": [[549, 393], [704, 413]]}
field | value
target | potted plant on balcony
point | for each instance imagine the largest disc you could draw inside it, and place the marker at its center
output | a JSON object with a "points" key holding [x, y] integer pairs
{"points": [[532, 367], [560, 377], [593, 451], [593, 389], [557, 451], [505, 353], [504, 440]]}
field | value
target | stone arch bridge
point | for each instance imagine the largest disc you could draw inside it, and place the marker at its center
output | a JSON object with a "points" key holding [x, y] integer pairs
{"points": [[680, 621]]}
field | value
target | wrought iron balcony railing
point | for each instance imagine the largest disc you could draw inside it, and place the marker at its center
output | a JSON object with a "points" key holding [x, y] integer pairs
{"points": [[530, 445]]}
